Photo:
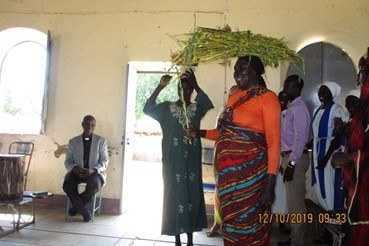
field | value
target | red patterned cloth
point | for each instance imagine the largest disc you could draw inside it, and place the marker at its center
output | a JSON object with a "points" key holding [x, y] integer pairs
{"points": [[356, 177]]}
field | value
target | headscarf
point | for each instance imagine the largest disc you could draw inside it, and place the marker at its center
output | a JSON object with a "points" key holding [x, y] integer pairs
{"points": [[334, 88], [354, 93]]}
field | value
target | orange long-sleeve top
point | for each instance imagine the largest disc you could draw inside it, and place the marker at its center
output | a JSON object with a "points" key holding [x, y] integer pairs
{"points": [[260, 114]]}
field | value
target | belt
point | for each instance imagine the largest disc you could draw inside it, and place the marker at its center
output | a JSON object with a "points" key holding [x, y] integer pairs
{"points": [[284, 153]]}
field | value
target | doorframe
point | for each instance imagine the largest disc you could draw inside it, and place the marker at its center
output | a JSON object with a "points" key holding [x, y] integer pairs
{"points": [[134, 67]]}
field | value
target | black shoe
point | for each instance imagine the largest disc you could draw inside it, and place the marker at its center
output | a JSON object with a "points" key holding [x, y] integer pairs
{"points": [[72, 212], [87, 217], [284, 243]]}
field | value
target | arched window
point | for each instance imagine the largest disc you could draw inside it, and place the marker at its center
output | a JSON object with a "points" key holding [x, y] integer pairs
{"points": [[325, 62], [23, 80]]}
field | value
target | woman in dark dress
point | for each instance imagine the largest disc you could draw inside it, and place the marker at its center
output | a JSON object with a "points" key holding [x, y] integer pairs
{"points": [[183, 204]]}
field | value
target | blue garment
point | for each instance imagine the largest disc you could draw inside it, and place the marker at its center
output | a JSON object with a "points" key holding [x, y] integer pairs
{"points": [[327, 181]]}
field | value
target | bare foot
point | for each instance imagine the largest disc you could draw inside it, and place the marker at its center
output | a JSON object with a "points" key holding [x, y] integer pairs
{"points": [[213, 230]]}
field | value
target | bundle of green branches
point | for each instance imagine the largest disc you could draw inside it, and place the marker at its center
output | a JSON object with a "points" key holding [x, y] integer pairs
{"points": [[207, 45]]}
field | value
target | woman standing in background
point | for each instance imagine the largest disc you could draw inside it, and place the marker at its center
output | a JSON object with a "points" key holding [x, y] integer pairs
{"points": [[355, 162], [183, 200], [327, 180]]}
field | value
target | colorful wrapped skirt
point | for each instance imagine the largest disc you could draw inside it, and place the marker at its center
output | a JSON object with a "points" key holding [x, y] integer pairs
{"points": [[241, 157]]}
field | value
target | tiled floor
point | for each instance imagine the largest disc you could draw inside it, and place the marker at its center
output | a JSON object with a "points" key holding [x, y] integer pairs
{"points": [[120, 230], [139, 225], [52, 229]]}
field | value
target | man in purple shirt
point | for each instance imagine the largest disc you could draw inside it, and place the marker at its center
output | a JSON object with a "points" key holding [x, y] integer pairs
{"points": [[295, 159]]}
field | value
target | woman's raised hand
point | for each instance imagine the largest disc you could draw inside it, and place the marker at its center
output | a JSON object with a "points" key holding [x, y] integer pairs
{"points": [[164, 81]]}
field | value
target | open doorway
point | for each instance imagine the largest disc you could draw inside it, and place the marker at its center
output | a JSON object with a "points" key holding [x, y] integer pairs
{"points": [[142, 181]]}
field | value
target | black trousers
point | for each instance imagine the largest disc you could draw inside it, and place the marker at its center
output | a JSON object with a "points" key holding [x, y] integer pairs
{"points": [[79, 201]]}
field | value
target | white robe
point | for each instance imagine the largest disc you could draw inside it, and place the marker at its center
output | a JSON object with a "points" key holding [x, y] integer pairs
{"points": [[329, 172]]}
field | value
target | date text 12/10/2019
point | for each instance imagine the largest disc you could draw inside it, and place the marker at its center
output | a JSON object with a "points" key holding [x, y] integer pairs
{"points": [[297, 218]]}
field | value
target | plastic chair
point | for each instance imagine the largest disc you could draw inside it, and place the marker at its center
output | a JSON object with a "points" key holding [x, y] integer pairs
{"points": [[23, 148], [96, 205]]}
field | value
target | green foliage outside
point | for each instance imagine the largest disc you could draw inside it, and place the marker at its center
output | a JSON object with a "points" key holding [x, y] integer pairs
{"points": [[146, 84], [9, 108]]}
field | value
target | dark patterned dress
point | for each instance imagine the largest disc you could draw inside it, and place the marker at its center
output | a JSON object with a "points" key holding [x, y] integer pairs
{"points": [[183, 204]]}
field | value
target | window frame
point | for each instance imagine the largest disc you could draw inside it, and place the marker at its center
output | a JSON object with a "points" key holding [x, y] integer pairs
{"points": [[46, 86]]}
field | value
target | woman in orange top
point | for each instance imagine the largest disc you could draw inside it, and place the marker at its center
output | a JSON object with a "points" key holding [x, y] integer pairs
{"points": [[247, 156]]}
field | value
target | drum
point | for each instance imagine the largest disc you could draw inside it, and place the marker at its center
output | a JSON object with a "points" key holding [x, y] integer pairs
{"points": [[11, 177]]}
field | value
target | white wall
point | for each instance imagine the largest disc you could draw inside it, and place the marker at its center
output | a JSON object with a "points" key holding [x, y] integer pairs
{"points": [[93, 41]]}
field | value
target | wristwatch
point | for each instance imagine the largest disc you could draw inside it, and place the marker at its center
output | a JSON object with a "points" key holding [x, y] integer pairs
{"points": [[292, 163]]}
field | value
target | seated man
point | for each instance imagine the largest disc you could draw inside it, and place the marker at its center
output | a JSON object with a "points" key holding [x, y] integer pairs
{"points": [[86, 162]]}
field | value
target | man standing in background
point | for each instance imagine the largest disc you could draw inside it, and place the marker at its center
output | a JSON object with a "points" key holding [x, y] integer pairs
{"points": [[295, 159]]}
